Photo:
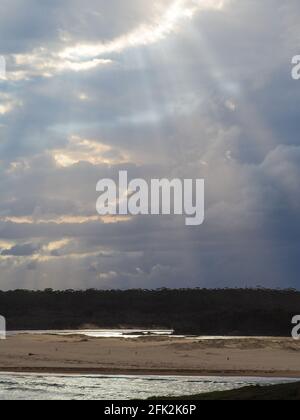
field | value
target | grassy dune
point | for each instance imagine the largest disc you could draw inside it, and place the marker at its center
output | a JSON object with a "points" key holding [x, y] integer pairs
{"points": [[285, 392]]}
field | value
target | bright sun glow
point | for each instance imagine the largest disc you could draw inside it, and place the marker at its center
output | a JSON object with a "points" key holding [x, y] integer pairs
{"points": [[90, 151], [85, 57], [145, 34]]}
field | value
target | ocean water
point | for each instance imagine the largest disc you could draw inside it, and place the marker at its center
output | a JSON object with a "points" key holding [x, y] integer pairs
{"points": [[99, 333], [125, 333], [87, 387]]}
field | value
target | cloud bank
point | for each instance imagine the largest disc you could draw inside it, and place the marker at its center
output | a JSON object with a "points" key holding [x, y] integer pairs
{"points": [[185, 88]]}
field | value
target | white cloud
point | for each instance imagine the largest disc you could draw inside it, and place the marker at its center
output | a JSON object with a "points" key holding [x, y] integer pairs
{"points": [[8, 103]]}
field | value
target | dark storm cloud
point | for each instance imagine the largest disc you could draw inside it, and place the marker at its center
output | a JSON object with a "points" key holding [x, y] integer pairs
{"points": [[29, 24], [20, 250]]}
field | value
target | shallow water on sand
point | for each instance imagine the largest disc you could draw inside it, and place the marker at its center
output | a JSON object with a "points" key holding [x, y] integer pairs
{"points": [[126, 333], [99, 333], [87, 387]]}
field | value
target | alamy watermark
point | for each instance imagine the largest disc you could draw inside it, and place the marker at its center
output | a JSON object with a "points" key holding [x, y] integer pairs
{"points": [[296, 329], [296, 67], [2, 68], [157, 197], [2, 328]]}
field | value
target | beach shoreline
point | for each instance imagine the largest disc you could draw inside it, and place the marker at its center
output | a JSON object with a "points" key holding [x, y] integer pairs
{"points": [[150, 356], [167, 373]]}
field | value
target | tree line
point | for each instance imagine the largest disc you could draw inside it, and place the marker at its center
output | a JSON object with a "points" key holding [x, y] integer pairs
{"points": [[187, 311]]}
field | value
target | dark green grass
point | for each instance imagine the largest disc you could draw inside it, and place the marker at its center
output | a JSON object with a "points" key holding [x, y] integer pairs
{"points": [[284, 392]]}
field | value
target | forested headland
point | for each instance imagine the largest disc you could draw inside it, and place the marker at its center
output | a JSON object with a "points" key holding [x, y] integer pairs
{"points": [[187, 311]]}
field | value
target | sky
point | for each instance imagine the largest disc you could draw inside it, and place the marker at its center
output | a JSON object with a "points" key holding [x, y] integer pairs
{"points": [[161, 88]]}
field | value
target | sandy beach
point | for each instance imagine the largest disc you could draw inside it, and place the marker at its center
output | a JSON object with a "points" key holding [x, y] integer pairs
{"points": [[269, 357]]}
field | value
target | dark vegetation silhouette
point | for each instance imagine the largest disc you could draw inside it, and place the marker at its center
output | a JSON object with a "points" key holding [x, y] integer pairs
{"points": [[281, 392], [187, 311]]}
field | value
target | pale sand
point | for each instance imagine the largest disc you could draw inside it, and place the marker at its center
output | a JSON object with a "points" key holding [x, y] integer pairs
{"points": [[278, 357]]}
